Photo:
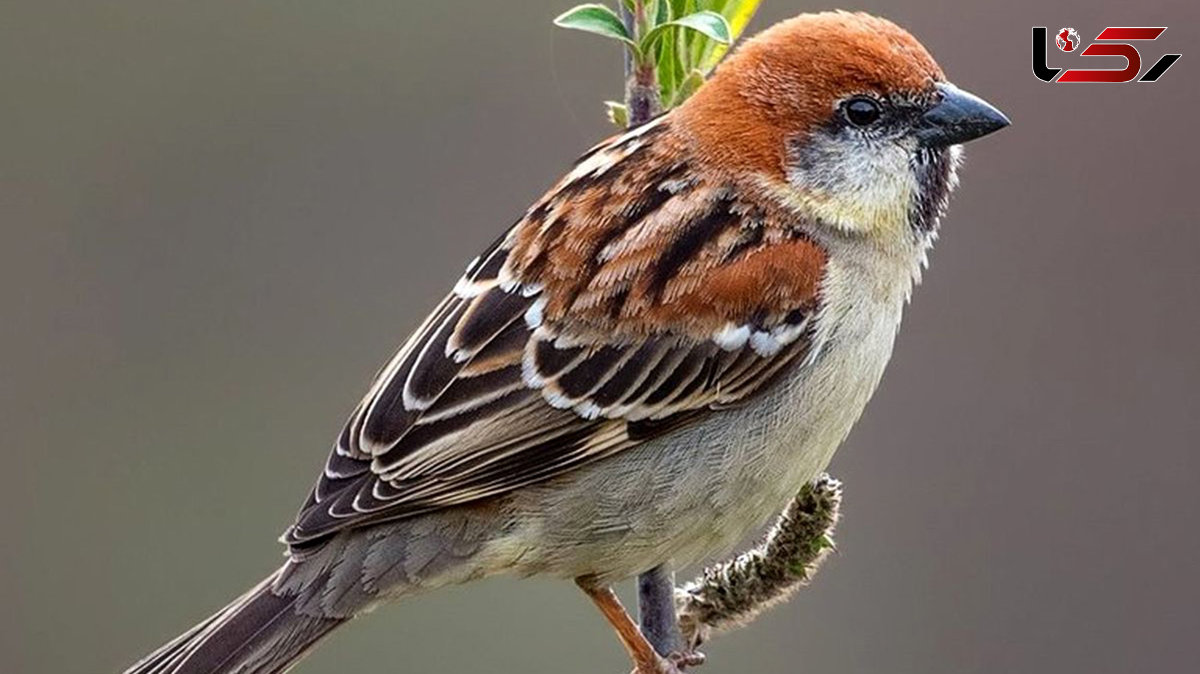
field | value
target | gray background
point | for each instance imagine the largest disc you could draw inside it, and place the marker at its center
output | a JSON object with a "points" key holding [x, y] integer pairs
{"points": [[219, 217]]}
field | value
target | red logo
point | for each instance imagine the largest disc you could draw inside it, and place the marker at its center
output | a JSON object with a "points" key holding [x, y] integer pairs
{"points": [[1067, 39], [1112, 41]]}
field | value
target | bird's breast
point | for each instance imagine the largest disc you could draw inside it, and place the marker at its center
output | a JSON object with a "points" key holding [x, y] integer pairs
{"points": [[789, 436]]}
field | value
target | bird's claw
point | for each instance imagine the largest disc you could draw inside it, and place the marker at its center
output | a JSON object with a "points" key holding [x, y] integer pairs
{"points": [[686, 659], [674, 663], [659, 666]]}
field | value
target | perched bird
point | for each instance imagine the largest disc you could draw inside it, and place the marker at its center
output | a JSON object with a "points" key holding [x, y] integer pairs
{"points": [[650, 363]]}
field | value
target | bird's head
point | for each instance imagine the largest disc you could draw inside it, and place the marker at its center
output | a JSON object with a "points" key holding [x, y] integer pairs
{"points": [[844, 117]]}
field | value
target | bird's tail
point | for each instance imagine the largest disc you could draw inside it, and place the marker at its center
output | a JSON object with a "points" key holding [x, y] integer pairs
{"points": [[259, 633]]}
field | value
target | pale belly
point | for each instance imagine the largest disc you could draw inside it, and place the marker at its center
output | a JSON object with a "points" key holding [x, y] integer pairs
{"points": [[696, 492]]}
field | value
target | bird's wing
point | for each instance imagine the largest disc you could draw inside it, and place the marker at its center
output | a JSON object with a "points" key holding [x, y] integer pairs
{"points": [[633, 298]]}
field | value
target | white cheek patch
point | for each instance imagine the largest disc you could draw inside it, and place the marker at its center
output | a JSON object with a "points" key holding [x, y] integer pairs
{"points": [[855, 185]]}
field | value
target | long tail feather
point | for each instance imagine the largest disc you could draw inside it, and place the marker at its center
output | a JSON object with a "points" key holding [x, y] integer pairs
{"points": [[258, 633]]}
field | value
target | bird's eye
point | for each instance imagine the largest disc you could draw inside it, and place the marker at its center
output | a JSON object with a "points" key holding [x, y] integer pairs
{"points": [[862, 111]]}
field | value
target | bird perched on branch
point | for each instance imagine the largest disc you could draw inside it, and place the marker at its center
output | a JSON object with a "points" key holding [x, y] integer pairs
{"points": [[650, 363]]}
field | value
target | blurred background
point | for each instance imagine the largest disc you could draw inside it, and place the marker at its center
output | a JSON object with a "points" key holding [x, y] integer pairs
{"points": [[218, 218]]}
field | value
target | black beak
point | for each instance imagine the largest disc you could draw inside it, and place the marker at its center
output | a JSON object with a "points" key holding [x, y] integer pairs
{"points": [[960, 116]]}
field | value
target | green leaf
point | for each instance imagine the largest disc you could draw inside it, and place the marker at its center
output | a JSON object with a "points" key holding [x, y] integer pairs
{"points": [[662, 12], [739, 13], [708, 23], [665, 68], [706, 55], [687, 87], [679, 51], [617, 113], [598, 19]]}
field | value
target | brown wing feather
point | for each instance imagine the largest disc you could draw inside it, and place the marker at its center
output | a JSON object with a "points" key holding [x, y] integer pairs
{"points": [[632, 299]]}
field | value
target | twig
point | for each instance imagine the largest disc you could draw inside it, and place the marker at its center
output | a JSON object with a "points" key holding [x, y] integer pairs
{"points": [[642, 99], [656, 587], [731, 594]]}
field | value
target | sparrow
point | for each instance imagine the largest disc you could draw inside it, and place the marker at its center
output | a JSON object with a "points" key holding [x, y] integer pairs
{"points": [[650, 363]]}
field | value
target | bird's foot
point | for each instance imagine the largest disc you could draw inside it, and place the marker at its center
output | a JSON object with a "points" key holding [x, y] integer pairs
{"points": [[657, 666], [686, 659], [675, 663], [645, 659]]}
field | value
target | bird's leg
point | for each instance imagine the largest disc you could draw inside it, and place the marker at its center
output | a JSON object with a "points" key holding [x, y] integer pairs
{"points": [[656, 609], [645, 659], [659, 622]]}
